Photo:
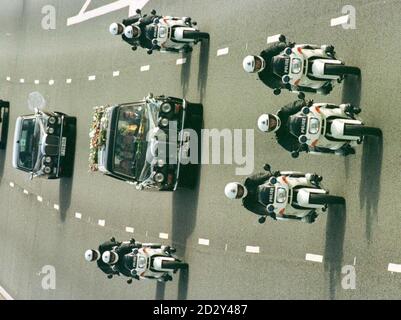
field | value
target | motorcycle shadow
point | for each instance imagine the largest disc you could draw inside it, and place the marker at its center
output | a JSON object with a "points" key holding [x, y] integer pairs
{"points": [[369, 190], [203, 68], [352, 90], [333, 253], [160, 290]]}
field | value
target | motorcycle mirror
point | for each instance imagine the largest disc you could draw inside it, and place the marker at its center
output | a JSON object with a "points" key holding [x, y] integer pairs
{"points": [[295, 154], [302, 139], [276, 92], [262, 220], [286, 79], [301, 95], [156, 21], [138, 11], [154, 41], [135, 251], [282, 38], [150, 51], [153, 12], [134, 48], [267, 167]]}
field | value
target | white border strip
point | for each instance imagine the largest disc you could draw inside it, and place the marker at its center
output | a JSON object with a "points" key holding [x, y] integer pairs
{"points": [[222, 52], [339, 21], [252, 249], [314, 257], [204, 242], [392, 267], [163, 235], [5, 294]]}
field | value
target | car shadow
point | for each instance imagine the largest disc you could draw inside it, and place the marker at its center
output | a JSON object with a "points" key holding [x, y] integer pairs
{"points": [[160, 290], [203, 68], [352, 91], [369, 190], [333, 253], [66, 182], [185, 74]]}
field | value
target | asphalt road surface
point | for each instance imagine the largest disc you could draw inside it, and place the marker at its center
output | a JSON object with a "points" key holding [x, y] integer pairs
{"points": [[40, 227]]}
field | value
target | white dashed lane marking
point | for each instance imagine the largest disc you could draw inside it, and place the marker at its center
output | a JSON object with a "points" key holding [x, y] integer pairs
{"points": [[181, 61], [252, 249], [204, 242], [78, 215], [56, 207], [314, 257], [392, 267], [339, 21], [36, 81], [222, 52], [12, 184], [163, 235], [68, 81], [8, 78], [145, 68], [39, 198], [102, 223], [26, 191], [116, 73], [92, 78], [51, 82], [129, 229], [22, 80]]}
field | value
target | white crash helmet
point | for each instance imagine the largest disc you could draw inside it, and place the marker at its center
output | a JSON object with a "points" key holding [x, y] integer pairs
{"points": [[92, 255], [269, 122], [132, 31], [235, 190], [253, 64], [110, 257], [116, 28]]}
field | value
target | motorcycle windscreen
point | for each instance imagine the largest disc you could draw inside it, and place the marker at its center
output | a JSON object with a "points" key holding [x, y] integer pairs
{"points": [[298, 125], [266, 195]]}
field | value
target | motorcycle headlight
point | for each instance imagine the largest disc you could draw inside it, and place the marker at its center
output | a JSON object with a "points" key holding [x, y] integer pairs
{"points": [[281, 195], [314, 125], [296, 65], [162, 32]]}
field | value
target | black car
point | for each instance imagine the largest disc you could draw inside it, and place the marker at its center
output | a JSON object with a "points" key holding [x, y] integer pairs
{"points": [[4, 117]]}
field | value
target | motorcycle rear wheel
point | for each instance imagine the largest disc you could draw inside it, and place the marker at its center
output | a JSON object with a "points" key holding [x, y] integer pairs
{"points": [[196, 35], [174, 265], [322, 199], [361, 130], [341, 70]]}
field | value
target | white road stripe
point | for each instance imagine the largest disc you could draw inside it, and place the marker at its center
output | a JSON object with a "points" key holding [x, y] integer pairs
{"points": [[252, 249], [22, 80], [68, 81], [56, 207], [145, 68], [394, 267], [355, 261], [273, 39], [181, 61], [92, 78], [37, 81], [222, 52], [26, 191], [40, 199], [102, 223], [129, 229], [8, 78], [51, 82], [163, 235], [12, 184], [5, 294], [116, 73], [204, 242], [340, 20], [78, 215], [314, 257], [226, 246]]}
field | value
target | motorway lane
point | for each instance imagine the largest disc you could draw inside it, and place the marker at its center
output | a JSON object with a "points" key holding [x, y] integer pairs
{"points": [[232, 99]]}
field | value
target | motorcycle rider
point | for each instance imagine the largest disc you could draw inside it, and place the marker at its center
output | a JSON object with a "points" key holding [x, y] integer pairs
{"points": [[248, 192], [96, 255], [263, 65], [280, 124]]}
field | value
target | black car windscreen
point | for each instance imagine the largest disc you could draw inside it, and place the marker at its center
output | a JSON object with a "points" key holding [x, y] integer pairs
{"points": [[28, 144]]}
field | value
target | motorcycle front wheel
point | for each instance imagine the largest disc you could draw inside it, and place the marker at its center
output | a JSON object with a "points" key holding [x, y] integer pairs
{"points": [[322, 199], [196, 35], [341, 70]]}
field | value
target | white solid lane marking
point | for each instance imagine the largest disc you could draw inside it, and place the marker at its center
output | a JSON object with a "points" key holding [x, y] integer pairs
{"points": [[116, 73], [40, 199], [26, 191], [78, 215], [22, 80], [129, 229], [163, 235], [181, 61], [8, 78], [92, 78], [51, 82], [56, 207], [314, 257], [355, 261], [37, 81], [204, 242], [273, 39], [145, 68], [5, 294], [338, 21], [12, 184], [222, 52], [394, 267], [68, 81], [252, 249], [102, 223]]}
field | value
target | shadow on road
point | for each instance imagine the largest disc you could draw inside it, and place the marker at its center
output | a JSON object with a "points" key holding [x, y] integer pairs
{"points": [[333, 253], [352, 91], [203, 68], [160, 290], [369, 190], [2, 163], [185, 74], [65, 196]]}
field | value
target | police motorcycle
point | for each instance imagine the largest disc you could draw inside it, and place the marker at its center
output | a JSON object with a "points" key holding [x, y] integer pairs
{"points": [[310, 66], [294, 195], [153, 261], [326, 126]]}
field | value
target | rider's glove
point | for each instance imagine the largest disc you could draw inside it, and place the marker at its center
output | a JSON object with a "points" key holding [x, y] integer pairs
{"points": [[273, 216], [276, 174]]}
